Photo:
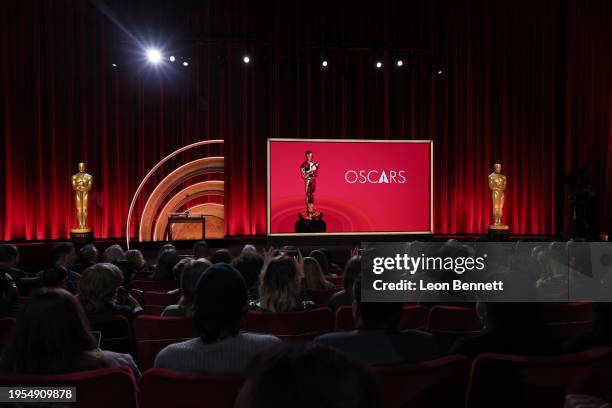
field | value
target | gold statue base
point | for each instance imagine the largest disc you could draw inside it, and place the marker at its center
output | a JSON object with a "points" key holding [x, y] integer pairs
{"points": [[81, 230], [499, 227]]}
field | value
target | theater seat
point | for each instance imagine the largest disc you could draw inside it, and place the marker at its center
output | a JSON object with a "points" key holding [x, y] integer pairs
{"points": [[449, 323], [161, 388], [338, 281], [413, 317], [116, 333], [154, 286], [107, 387], [436, 383], [153, 333], [321, 297], [156, 302], [291, 326], [7, 329], [500, 380]]}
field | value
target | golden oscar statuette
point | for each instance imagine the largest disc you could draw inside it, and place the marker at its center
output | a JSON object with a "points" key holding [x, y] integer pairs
{"points": [[497, 184], [81, 184]]}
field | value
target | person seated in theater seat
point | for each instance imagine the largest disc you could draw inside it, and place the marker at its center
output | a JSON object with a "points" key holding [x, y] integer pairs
{"points": [[113, 254], [219, 309], [377, 341], [307, 376], [248, 249], [9, 296], [52, 337], [509, 328], [331, 263], [249, 265], [189, 278], [221, 255], [88, 255], [352, 270], [323, 262], [600, 335], [9, 259], [63, 258], [279, 290], [313, 276], [201, 250], [165, 264], [101, 293]]}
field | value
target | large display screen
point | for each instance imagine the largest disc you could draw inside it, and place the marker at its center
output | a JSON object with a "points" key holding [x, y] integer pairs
{"points": [[349, 186]]}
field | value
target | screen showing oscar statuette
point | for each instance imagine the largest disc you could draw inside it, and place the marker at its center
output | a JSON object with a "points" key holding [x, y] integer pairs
{"points": [[349, 186]]}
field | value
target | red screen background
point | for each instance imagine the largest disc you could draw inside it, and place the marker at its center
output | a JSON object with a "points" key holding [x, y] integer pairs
{"points": [[352, 208]]}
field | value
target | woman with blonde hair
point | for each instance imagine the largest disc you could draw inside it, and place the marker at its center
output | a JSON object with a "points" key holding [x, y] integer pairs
{"points": [[313, 276], [280, 286]]}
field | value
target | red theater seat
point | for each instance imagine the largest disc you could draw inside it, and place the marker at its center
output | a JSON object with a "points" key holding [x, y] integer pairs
{"points": [[154, 286], [502, 381], [116, 333], [107, 387], [162, 388], [338, 281], [156, 302], [7, 329], [153, 333], [291, 326], [436, 383], [321, 297], [413, 317], [449, 323]]}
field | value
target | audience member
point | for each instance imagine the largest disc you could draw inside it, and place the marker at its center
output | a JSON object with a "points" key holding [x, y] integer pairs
{"points": [[52, 337], [248, 249], [200, 250], [9, 296], [221, 255], [331, 263], [55, 278], [165, 264], [101, 293], [219, 310], [352, 270], [9, 259], [88, 255], [323, 261], [306, 377], [189, 278], [509, 328], [313, 276], [113, 254], [279, 290], [63, 258], [136, 260], [249, 265], [377, 341]]}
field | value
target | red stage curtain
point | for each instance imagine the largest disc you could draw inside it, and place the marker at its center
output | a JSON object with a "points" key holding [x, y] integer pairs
{"points": [[518, 88]]}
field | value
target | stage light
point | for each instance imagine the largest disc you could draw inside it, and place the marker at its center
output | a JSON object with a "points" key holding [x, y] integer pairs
{"points": [[114, 65], [246, 59], [439, 72], [400, 63], [172, 59], [185, 63], [379, 64], [154, 55], [324, 63]]}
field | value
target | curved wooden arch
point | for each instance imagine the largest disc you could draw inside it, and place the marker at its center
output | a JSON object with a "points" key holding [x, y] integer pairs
{"points": [[204, 188], [170, 182], [128, 220]]}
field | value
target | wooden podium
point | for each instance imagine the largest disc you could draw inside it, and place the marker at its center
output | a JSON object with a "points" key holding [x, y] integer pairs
{"points": [[185, 218]]}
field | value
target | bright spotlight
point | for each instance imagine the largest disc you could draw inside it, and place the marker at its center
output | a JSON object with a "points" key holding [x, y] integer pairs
{"points": [[154, 55], [400, 63], [324, 63], [172, 59], [246, 59], [378, 64], [114, 65], [185, 63]]}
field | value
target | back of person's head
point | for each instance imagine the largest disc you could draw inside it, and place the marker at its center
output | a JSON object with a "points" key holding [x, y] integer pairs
{"points": [[352, 270], [313, 275], [249, 265], [98, 286], [113, 253], [221, 255], [54, 277], [135, 259], [165, 265], [375, 315], [180, 266], [8, 290], [89, 254], [200, 249], [9, 254], [248, 249], [62, 253], [190, 276], [280, 285], [305, 377], [322, 259], [220, 302], [51, 335]]}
